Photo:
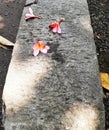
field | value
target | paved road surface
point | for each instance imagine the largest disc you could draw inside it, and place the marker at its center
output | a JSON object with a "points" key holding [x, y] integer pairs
{"points": [[10, 14]]}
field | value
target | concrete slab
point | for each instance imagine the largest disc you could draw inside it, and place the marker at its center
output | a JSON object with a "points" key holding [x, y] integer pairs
{"points": [[60, 90]]}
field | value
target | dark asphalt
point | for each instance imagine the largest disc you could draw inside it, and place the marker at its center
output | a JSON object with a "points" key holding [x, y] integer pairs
{"points": [[10, 14]]}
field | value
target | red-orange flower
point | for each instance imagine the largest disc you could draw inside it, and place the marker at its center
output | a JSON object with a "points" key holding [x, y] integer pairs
{"points": [[31, 15], [40, 46], [55, 26]]}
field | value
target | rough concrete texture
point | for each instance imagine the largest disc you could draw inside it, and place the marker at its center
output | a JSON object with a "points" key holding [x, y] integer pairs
{"points": [[60, 90]]}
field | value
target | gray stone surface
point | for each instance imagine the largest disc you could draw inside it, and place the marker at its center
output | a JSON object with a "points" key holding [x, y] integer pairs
{"points": [[60, 90]]}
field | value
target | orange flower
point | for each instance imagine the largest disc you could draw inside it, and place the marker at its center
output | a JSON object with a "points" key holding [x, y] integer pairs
{"points": [[40, 46], [55, 26]]}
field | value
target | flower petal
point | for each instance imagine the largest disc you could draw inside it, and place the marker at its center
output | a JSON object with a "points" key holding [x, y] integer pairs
{"points": [[51, 25], [28, 15], [45, 50], [55, 30], [59, 29], [34, 46], [47, 47], [35, 52], [31, 11]]}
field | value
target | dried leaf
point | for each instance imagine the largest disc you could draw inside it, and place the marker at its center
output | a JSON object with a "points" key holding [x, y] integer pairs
{"points": [[105, 80], [5, 41], [2, 46]]}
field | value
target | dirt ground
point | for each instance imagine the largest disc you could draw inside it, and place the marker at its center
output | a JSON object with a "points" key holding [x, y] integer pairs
{"points": [[10, 14]]}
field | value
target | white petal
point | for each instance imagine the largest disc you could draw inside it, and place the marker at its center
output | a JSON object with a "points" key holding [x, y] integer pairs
{"points": [[59, 30], [44, 51], [35, 52], [47, 47], [54, 30], [28, 15], [31, 11]]}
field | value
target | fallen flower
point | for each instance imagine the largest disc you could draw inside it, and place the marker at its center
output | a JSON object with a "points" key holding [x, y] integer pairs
{"points": [[55, 26], [40, 46], [31, 15]]}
